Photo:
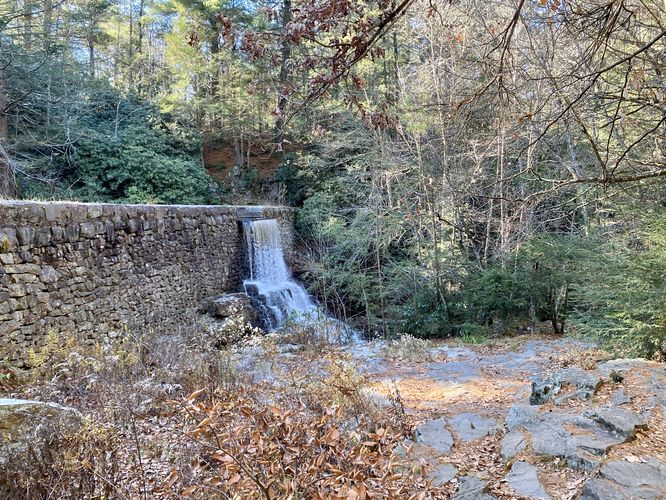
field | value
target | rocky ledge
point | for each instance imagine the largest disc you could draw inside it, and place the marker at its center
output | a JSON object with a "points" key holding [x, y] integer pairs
{"points": [[605, 425]]}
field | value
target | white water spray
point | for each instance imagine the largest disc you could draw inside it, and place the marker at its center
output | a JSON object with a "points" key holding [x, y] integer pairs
{"points": [[270, 277], [271, 281]]}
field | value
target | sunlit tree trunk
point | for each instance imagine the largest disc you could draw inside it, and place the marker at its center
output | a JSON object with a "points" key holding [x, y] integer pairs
{"points": [[284, 75], [7, 178]]}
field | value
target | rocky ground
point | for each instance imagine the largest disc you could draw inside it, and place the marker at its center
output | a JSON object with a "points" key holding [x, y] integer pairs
{"points": [[527, 417], [535, 418]]}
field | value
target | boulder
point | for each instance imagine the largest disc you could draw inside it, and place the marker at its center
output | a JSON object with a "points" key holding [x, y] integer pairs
{"points": [[28, 427], [231, 305]]}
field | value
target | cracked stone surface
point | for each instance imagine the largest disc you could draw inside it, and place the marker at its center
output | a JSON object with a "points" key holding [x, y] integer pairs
{"points": [[618, 420], [602, 489], [434, 434], [638, 480], [524, 479], [567, 440], [442, 474], [470, 426]]}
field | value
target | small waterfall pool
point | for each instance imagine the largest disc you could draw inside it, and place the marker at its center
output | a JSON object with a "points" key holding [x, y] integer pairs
{"points": [[284, 300]]}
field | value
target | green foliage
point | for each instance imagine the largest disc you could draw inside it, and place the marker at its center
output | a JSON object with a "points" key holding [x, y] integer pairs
{"points": [[494, 293], [424, 315], [620, 296], [125, 151], [473, 334]]}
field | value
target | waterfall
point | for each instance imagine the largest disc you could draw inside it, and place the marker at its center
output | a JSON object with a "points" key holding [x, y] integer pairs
{"points": [[270, 281]]}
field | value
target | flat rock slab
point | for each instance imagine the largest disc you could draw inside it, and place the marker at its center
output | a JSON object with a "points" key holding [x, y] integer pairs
{"points": [[650, 475], [470, 426], [597, 443], [521, 415], [621, 398], [618, 420], [472, 488], [628, 481], [512, 443], [581, 440], [524, 479], [602, 489], [434, 434], [442, 474], [551, 439]]}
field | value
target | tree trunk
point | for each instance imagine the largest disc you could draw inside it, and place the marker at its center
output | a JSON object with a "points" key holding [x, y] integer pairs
{"points": [[27, 24], [7, 178], [214, 52], [140, 24], [284, 75], [130, 52], [46, 24], [91, 55]]}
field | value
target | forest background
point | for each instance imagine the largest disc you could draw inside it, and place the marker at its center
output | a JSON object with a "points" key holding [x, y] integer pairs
{"points": [[471, 167]]}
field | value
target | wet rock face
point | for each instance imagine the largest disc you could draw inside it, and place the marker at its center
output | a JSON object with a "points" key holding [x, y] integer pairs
{"points": [[99, 269], [30, 427], [234, 304]]}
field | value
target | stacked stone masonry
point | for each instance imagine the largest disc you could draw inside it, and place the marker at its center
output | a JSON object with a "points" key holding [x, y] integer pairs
{"points": [[98, 270]]}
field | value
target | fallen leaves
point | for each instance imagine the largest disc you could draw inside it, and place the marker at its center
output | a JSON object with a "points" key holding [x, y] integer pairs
{"points": [[286, 449]]}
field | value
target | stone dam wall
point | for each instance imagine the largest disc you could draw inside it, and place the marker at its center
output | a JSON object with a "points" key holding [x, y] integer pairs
{"points": [[98, 270]]}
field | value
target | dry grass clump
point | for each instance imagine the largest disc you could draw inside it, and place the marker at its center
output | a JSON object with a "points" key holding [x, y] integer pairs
{"points": [[585, 358], [409, 348]]}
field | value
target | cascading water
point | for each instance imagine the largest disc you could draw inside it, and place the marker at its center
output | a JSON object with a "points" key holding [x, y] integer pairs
{"points": [[270, 281], [269, 275]]}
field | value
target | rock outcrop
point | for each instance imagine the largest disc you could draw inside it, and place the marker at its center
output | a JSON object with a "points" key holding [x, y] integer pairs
{"points": [[29, 428]]}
